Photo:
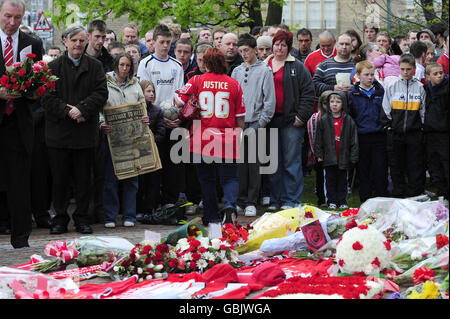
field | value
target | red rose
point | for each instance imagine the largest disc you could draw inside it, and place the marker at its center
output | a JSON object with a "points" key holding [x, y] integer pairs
{"points": [[4, 80], [309, 215], [150, 271], [363, 227], [158, 256], [41, 90], [13, 79], [196, 256], [148, 261], [387, 244], [21, 72], [133, 257], [173, 263], [202, 250], [351, 224], [31, 55], [423, 274], [16, 86], [162, 248], [314, 235], [192, 265], [28, 83], [211, 263], [357, 246], [441, 241], [341, 262], [194, 243], [146, 250]]}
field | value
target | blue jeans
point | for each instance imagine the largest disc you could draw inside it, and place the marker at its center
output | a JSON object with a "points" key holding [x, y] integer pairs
{"points": [[113, 201], [286, 184], [228, 177]]}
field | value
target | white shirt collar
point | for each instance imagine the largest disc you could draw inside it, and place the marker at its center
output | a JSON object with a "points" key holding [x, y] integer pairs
{"points": [[14, 36]]}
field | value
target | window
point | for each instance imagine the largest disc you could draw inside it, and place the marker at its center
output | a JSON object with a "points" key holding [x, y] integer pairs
{"points": [[311, 14]]}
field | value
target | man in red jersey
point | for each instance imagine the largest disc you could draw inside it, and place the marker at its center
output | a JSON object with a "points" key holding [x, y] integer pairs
{"points": [[327, 50]]}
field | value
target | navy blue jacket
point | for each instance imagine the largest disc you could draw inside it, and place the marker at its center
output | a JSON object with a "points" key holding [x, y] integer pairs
{"points": [[366, 110], [157, 124], [437, 116]]}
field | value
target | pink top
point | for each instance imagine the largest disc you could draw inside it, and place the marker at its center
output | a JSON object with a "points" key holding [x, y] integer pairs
{"points": [[388, 64]]}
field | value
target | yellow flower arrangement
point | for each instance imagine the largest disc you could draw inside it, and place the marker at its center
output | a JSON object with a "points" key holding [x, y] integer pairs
{"points": [[430, 291]]}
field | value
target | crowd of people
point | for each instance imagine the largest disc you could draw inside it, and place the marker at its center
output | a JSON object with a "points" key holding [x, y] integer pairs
{"points": [[373, 107]]}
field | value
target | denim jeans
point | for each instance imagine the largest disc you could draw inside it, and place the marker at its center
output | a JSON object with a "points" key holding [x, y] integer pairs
{"points": [[286, 184], [115, 200], [228, 177]]}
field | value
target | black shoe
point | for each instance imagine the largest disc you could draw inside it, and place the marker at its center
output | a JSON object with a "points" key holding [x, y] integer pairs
{"points": [[84, 229], [229, 215], [44, 222], [58, 229], [4, 230]]}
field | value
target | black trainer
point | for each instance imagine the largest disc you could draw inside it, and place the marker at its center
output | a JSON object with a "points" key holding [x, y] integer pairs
{"points": [[229, 215]]}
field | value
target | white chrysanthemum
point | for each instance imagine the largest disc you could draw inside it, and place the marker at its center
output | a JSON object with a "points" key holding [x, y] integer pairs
{"points": [[363, 250], [173, 254], [187, 256], [209, 256], [202, 264], [148, 242], [182, 244]]}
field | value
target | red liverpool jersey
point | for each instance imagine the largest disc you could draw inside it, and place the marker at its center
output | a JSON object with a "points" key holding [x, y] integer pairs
{"points": [[221, 101]]}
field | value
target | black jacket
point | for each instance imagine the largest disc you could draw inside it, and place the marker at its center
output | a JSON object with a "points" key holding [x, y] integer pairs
{"points": [[299, 92], [84, 87], [436, 107], [157, 124], [105, 58], [325, 145]]}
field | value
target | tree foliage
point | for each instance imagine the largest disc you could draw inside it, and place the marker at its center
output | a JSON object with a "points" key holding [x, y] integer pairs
{"points": [[187, 13]]}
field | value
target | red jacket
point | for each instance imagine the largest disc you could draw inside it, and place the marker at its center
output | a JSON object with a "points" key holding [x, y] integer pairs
{"points": [[443, 60], [315, 58]]}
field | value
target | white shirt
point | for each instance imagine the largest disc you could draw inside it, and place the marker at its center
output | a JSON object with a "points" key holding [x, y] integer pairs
{"points": [[167, 76], [15, 43]]}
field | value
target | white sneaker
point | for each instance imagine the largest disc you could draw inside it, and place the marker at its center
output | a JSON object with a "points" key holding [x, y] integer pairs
{"points": [[200, 205], [250, 211], [265, 201], [286, 207], [110, 225], [273, 208], [239, 210], [128, 224], [332, 206], [343, 206], [214, 230]]}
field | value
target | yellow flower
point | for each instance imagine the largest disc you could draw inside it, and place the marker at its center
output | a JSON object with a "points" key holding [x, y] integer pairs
{"points": [[430, 291]]}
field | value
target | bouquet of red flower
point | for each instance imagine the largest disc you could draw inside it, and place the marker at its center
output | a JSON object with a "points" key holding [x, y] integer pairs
{"points": [[147, 260], [31, 79], [235, 235], [202, 254]]}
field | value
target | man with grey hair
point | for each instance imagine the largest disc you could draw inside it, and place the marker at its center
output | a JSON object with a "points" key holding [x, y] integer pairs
{"points": [[230, 49], [325, 78], [130, 34], [326, 50], [16, 126], [72, 124]]}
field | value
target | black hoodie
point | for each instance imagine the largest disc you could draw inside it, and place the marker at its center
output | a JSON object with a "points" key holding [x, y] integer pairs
{"points": [[325, 144], [436, 107]]}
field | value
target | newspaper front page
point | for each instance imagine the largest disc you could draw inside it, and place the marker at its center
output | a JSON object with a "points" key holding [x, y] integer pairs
{"points": [[131, 142]]}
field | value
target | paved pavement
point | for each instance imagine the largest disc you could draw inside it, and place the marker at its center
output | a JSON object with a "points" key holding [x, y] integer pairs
{"points": [[40, 237]]}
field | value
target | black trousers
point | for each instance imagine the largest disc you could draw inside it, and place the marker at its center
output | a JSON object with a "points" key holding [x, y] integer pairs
{"points": [[437, 159], [406, 158], [372, 166], [16, 166], [173, 175], [148, 195], [193, 189], [41, 180], [96, 211], [66, 165], [319, 189], [335, 185]]}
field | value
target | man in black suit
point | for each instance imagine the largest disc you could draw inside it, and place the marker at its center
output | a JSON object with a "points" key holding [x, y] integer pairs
{"points": [[16, 124]]}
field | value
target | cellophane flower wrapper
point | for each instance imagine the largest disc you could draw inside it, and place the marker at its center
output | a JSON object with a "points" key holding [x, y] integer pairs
{"points": [[94, 250], [333, 227], [437, 262], [270, 225], [183, 231], [401, 219], [408, 253], [55, 288]]}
